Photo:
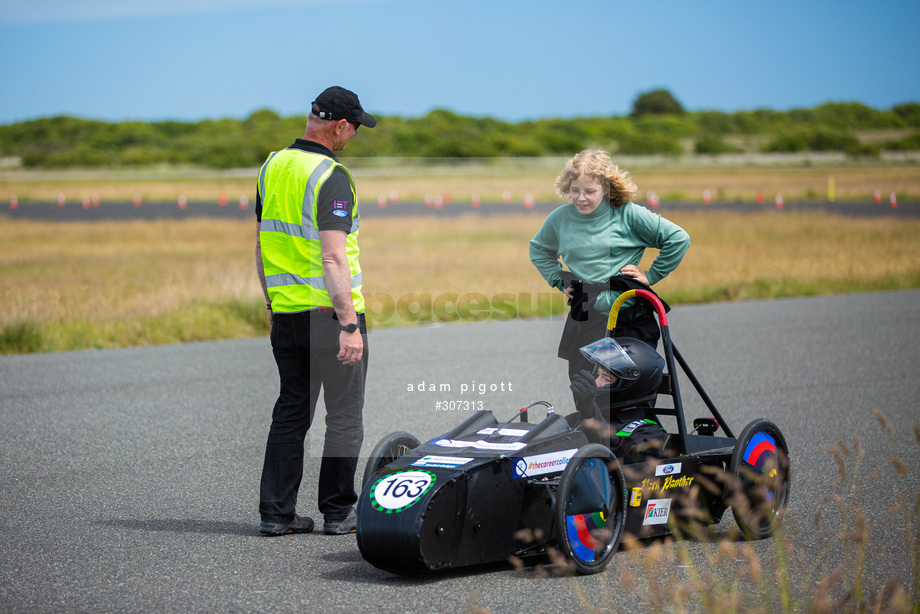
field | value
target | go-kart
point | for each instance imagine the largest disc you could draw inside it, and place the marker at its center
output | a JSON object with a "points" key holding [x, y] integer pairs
{"points": [[487, 491]]}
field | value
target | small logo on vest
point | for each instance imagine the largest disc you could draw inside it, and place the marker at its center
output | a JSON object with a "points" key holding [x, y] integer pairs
{"points": [[340, 208]]}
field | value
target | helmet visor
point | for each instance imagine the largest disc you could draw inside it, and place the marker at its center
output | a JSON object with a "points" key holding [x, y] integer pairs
{"points": [[609, 354]]}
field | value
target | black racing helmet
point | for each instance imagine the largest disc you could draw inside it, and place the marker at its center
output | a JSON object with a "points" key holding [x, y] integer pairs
{"points": [[638, 367]]}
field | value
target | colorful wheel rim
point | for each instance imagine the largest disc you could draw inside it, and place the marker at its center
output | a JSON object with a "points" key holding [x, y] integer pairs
{"points": [[592, 500]]}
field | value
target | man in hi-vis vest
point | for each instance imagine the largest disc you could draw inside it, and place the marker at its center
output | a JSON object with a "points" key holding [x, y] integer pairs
{"points": [[307, 259]]}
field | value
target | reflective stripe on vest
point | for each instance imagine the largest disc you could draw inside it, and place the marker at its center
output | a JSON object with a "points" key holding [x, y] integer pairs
{"points": [[288, 233], [289, 279]]}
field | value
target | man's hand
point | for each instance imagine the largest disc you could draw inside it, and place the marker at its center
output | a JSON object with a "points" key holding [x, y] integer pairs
{"points": [[351, 347]]}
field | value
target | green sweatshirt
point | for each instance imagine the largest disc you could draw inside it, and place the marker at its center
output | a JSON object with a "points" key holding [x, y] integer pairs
{"points": [[596, 246]]}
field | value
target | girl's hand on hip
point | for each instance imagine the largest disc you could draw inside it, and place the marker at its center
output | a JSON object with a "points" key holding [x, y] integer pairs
{"points": [[631, 270]]}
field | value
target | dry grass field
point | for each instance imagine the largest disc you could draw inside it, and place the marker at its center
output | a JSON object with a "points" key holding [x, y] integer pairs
{"points": [[70, 286], [67, 286]]}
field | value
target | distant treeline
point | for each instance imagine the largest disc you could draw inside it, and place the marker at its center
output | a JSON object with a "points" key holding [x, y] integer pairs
{"points": [[852, 128]]}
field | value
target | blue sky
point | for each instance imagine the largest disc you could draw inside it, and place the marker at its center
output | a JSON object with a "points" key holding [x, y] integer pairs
{"points": [[513, 60]]}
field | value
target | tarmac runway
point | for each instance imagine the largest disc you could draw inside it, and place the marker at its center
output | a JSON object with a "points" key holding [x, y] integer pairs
{"points": [[76, 212], [129, 478]]}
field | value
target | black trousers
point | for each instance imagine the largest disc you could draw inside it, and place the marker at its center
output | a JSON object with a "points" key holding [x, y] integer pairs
{"points": [[305, 346]]}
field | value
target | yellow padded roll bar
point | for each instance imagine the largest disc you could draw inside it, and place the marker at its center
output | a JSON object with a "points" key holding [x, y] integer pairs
{"points": [[615, 309]]}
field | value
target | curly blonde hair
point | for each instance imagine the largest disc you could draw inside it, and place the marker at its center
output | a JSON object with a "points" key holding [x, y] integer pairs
{"points": [[597, 163]]}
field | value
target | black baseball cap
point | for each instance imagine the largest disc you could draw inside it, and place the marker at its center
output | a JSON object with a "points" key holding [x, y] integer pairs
{"points": [[338, 103]]}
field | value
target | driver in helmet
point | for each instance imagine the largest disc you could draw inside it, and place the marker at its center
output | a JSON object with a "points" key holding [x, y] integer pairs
{"points": [[612, 401]]}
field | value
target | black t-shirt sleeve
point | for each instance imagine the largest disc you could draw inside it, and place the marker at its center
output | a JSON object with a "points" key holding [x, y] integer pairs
{"points": [[336, 202]]}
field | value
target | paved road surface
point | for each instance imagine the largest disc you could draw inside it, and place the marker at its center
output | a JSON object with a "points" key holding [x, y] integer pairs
{"points": [[128, 478]]}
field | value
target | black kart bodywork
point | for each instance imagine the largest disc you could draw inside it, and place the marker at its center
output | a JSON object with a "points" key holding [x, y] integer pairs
{"points": [[487, 491]]}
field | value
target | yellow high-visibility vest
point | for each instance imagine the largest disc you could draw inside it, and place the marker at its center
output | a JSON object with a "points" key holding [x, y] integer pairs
{"points": [[289, 186]]}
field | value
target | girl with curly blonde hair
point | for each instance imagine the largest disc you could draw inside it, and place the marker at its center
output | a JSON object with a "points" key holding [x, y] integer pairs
{"points": [[616, 184], [601, 236]]}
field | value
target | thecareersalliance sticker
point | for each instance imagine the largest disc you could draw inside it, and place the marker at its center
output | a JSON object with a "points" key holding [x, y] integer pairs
{"points": [[540, 464]]}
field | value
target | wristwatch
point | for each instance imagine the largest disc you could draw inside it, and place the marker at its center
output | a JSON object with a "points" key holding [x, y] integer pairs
{"points": [[349, 328]]}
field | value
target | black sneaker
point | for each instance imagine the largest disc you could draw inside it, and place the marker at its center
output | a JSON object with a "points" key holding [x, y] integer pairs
{"points": [[298, 525], [341, 526]]}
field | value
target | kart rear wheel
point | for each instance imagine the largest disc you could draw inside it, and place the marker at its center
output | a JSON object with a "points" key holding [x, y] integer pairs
{"points": [[591, 508], [758, 489], [389, 448]]}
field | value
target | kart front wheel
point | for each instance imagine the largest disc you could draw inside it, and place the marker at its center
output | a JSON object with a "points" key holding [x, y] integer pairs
{"points": [[758, 488], [591, 508], [389, 448]]}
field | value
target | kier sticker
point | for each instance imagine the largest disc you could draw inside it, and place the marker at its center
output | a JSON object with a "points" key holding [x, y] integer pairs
{"points": [[657, 511]]}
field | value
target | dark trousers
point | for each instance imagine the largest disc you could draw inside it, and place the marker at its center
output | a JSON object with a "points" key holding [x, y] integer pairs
{"points": [[305, 347]]}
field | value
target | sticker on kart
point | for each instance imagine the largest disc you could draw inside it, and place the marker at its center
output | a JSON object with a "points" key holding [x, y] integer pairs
{"points": [[669, 469], [541, 464], [480, 444], [396, 492], [657, 511], [444, 462]]}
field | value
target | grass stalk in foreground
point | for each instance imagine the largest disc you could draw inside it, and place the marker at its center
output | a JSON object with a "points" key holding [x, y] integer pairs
{"points": [[731, 575]]}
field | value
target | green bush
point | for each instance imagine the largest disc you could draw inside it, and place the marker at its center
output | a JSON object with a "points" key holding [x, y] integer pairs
{"points": [[910, 143], [827, 139], [813, 139], [657, 126], [788, 142], [855, 116], [908, 113], [716, 123], [761, 121], [666, 125], [559, 137], [20, 337], [656, 102], [644, 144], [863, 150], [713, 144]]}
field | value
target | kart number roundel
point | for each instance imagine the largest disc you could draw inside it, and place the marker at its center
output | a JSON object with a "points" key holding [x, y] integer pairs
{"points": [[395, 492]]}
